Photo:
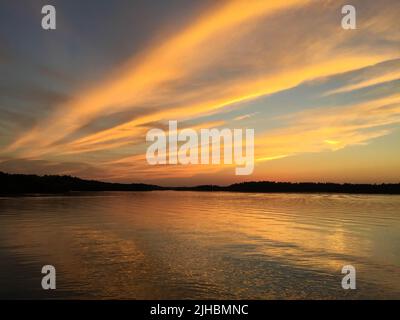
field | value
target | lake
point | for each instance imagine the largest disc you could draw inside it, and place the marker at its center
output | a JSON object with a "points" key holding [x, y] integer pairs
{"points": [[200, 245]]}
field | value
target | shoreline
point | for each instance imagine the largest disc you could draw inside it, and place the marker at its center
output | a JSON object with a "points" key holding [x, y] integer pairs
{"points": [[20, 184]]}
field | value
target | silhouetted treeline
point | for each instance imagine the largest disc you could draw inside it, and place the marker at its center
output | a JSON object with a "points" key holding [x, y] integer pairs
{"points": [[266, 186], [20, 183]]}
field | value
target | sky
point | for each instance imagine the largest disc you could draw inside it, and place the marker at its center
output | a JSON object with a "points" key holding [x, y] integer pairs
{"points": [[324, 102]]}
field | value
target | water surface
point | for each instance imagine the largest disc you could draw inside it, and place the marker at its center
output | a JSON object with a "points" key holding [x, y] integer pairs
{"points": [[200, 245]]}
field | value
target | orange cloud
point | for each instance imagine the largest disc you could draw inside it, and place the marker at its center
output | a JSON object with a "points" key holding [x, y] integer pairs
{"points": [[332, 129], [198, 72], [137, 81]]}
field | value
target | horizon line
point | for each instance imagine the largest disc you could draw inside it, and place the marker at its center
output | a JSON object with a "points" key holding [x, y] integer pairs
{"points": [[201, 185]]}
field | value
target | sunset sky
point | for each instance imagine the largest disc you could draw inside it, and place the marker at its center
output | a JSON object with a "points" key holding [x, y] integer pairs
{"points": [[324, 102]]}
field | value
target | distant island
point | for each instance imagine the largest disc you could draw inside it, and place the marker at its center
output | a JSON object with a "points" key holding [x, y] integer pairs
{"points": [[14, 184]]}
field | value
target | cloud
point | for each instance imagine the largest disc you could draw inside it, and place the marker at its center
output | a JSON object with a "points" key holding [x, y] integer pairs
{"points": [[375, 75], [330, 129], [233, 54], [245, 116], [142, 77]]}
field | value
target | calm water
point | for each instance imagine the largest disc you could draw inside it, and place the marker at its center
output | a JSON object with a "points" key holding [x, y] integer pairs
{"points": [[187, 245]]}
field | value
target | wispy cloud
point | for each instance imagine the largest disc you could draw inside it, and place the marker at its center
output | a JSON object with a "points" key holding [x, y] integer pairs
{"points": [[330, 129], [231, 55]]}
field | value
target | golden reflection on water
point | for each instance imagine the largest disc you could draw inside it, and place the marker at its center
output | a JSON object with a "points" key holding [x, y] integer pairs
{"points": [[203, 245]]}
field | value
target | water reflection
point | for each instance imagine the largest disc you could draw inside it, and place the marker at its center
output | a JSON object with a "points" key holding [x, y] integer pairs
{"points": [[171, 245]]}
